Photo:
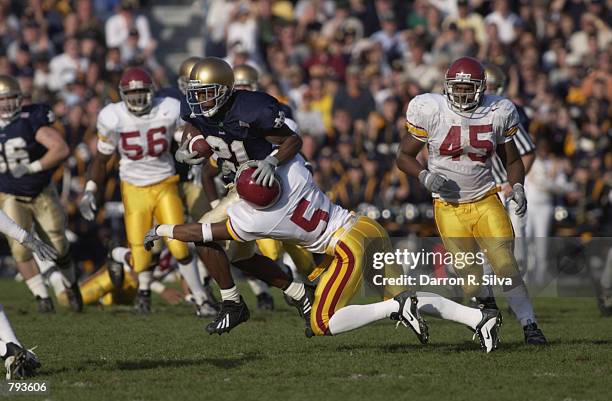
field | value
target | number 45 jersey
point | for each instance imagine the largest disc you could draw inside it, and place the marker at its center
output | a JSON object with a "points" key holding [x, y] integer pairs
{"points": [[303, 214], [461, 144], [18, 145], [143, 141]]}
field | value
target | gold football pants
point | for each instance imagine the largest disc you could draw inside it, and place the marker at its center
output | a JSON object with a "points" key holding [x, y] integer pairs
{"points": [[44, 212], [273, 249], [482, 225], [162, 201], [342, 273]]}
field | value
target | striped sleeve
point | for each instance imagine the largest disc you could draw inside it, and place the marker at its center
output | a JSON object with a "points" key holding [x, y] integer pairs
{"points": [[523, 141], [505, 121], [417, 115], [241, 224]]}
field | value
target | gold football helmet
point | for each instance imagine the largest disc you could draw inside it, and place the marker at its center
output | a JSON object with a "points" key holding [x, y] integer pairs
{"points": [[185, 71], [496, 79], [211, 83], [10, 97], [246, 77]]}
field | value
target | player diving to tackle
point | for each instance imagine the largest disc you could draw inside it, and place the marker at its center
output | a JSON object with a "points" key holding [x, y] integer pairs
{"points": [[295, 210], [462, 129], [140, 128], [19, 362], [30, 152]]}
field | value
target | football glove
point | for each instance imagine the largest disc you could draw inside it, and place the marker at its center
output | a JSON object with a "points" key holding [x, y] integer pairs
{"points": [[183, 155], [264, 175], [432, 181], [87, 205], [150, 238], [518, 195], [22, 169], [42, 250]]}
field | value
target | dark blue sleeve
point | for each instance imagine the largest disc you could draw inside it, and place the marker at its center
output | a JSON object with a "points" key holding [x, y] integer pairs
{"points": [[40, 115], [268, 113], [287, 110], [186, 112]]}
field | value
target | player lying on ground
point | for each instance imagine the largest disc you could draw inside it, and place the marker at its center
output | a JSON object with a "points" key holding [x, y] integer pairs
{"points": [[19, 362], [294, 209], [140, 128], [32, 149], [462, 129]]}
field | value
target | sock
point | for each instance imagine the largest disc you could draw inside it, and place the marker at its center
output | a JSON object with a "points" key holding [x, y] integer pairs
{"points": [[6, 330], [145, 279], [189, 271], [36, 285], [295, 290], [443, 308], [257, 286], [231, 294], [56, 280], [352, 317], [519, 302]]}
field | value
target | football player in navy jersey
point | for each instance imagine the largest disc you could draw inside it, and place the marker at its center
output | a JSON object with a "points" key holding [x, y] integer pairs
{"points": [[240, 126], [30, 151]]}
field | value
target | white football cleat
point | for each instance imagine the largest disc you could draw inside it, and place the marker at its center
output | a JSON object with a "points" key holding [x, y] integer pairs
{"points": [[408, 315], [488, 329]]}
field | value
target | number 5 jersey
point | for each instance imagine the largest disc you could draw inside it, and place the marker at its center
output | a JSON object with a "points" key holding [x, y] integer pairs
{"points": [[143, 141], [303, 214], [461, 144]]}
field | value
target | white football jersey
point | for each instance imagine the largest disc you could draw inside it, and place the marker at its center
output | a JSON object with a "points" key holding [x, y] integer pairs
{"points": [[303, 215], [143, 141], [461, 144]]}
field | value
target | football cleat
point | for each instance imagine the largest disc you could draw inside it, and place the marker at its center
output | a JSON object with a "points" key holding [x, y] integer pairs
{"points": [[231, 315], [265, 301], [207, 309], [75, 298], [19, 362], [533, 335], [605, 305], [487, 329], [45, 305], [143, 302], [408, 315], [304, 307]]}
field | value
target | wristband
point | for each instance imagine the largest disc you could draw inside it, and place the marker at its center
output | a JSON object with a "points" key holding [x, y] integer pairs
{"points": [[157, 287], [165, 230], [207, 235], [91, 186], [35, 166]]}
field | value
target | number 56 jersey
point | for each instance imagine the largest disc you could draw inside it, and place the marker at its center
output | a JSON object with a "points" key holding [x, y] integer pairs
{"points": [[303, 214], [461, 144], [143, 141]]}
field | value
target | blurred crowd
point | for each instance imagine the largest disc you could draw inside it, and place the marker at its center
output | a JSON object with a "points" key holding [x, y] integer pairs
{"points": [[348, 69]]}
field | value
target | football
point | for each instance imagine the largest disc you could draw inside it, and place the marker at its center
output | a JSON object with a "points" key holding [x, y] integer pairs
{"points": [[198, 144]]}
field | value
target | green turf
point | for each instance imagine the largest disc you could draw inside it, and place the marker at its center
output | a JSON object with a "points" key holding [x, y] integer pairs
{"points": [[111, 354]]}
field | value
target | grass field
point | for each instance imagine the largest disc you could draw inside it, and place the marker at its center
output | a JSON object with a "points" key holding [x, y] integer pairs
{"points": [[111, 354]]}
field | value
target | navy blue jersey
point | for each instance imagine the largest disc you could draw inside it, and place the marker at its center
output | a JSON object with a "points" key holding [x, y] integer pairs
{"points": [[18, 145], [236, 133], [285, 108]]}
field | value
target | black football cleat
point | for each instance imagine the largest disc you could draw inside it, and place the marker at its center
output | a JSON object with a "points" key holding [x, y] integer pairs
{"points": [[20, 363], [304, 307], [265, 301], [487, 329], [45, 305], [408, 315], [143, 302], [75, 298], [231, 315], [605, 305], [533, 335]]}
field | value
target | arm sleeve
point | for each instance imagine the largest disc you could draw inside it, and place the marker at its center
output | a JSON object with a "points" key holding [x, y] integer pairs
{"points": [[240, 224], [506, 121], [10, 228], [416, 119], [41, 116], [107, 132], [269, 115]]}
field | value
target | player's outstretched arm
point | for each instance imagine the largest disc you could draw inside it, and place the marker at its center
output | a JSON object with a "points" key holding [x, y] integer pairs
{"points": [[191, 232], [57, 152]]}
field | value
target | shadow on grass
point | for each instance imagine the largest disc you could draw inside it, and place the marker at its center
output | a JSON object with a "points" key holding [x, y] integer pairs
{"points": [[220, 363]]}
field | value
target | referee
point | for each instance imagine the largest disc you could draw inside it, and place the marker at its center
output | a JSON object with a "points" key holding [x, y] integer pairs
{"points": [[496, 84]]}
